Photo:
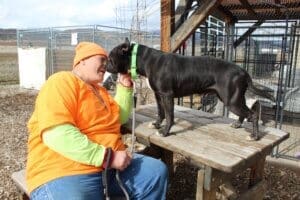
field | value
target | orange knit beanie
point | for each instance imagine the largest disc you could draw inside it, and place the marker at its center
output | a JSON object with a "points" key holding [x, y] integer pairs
{"points": [[87, 49]]}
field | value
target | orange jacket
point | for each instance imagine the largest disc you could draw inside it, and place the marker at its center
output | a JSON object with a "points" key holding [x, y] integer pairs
{"points": [[66, 99]]}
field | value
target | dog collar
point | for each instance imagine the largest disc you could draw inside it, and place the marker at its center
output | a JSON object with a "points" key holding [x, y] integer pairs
{"points": [[133, 62]]}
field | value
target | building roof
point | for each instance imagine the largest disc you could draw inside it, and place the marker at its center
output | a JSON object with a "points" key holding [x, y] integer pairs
{"points": [[261, 9]]}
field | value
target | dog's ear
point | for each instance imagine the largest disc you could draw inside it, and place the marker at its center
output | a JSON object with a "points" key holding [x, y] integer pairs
{"points": [[127, 40], [125, 47]]}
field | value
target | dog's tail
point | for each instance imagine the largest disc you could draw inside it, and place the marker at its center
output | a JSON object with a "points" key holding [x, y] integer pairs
{"points": [[260, 92]]}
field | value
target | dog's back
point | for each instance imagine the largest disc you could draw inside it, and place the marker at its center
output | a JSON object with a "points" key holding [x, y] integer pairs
{"points": [[186, 75]]}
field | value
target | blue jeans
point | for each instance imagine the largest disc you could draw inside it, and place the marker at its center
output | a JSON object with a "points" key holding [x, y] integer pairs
{"points": [[145, 178]]}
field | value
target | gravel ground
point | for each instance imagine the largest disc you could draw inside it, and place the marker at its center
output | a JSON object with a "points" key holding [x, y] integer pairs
{"points": [[16, 106]]}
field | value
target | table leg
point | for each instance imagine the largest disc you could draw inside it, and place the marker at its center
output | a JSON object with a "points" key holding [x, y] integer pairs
{"points": [[257, 171], [204, 176], [167, 157]]}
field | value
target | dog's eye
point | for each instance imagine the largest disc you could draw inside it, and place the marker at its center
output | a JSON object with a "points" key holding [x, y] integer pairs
{"points": [[111, 61]]}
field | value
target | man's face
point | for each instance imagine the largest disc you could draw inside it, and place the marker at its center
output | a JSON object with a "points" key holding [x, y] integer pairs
{"points": [[94, 68]]}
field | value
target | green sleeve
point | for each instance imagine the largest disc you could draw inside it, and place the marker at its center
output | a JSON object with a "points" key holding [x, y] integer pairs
{"points": [[124, 99], [68, 141]]}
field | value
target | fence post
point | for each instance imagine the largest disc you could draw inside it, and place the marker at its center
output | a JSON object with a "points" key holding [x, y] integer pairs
{"points": [[51, 57], [94, 28]]}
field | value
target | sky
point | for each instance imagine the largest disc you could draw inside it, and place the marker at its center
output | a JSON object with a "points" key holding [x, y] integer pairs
{"points": [[23, 14]]}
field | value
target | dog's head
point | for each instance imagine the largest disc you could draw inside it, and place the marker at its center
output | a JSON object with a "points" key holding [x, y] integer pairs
{"points": [[119, 58]]}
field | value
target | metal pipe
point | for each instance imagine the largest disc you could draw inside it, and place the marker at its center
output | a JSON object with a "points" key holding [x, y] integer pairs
{"points": [[284, 163], [50, 46], [284, 61], [295, 51]]}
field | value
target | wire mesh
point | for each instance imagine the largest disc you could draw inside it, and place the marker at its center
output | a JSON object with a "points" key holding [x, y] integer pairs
{"points": [[270, 55], [9, 73], [61, 41]]}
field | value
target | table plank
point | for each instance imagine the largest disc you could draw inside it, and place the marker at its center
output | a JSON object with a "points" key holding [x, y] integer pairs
{"points": [[208, 139], [223, 125]]}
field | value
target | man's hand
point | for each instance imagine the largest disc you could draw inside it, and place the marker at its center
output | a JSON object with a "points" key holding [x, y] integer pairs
{"points": [[120, 160], [125, 80]]}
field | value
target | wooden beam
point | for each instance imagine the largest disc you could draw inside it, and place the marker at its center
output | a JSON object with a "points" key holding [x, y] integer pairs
{"points": [[181, 12], [270, 16], [229, 17], [192, 23], [247, 33], [167, 24], [246, 4], [235, 7], [277, 10], [181, 7]]}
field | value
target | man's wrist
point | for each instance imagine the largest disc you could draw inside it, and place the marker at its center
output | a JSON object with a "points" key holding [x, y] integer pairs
{"points": [[127, 85], [125, 80]]}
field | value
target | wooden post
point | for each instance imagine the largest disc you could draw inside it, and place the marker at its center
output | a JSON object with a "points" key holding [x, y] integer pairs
{"points": [[257, 171], [167, 24], [204, 191], [167, 157]]}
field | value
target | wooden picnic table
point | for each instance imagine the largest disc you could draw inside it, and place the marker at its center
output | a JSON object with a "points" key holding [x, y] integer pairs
{"points": [[211, 144]]}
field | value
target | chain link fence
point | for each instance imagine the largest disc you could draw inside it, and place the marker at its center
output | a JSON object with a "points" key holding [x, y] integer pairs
{"points": [[61, 41], [8, 57], [271, 56]]}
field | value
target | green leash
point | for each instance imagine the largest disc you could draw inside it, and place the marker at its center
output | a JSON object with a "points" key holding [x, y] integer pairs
{"points": [[133, 62], [133, 77]]}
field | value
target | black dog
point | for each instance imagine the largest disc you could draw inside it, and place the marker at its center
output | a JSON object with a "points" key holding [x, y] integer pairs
{"points": [[172, 75]]}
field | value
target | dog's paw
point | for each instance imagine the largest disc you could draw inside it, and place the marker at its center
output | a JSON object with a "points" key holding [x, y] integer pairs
{"points": [[251, 138], [160, 133], [154, 125], [151, 125], [236, 124]]}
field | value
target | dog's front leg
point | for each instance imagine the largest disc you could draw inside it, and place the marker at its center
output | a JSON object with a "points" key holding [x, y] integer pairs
{"points": [[161, 112], [168, 106]]}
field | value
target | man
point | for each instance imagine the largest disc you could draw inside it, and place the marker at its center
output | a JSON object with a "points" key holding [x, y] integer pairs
{"points": [[74, 122]]}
